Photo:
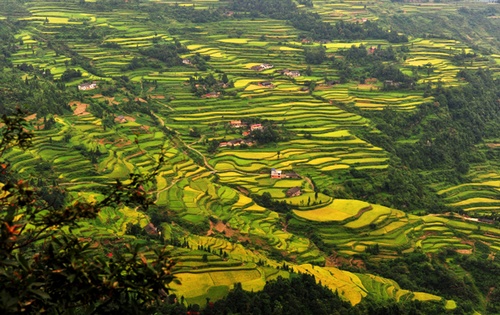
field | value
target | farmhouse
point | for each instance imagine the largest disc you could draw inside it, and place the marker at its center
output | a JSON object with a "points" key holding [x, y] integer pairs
{"points": [[211, 95], [275, 173], [293, 192], [371, 50], [390, 83], [291, 73], [290, 174], [186, 61], [87, 86], [236, 123], [256, 127], [266, 84], [261, 67], [236, 143], [121, 119], [151, 229]]}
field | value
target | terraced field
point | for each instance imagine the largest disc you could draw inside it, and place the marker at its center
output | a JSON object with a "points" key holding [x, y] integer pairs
{"points": [[212, 191], [480, 197], [351, 226]]}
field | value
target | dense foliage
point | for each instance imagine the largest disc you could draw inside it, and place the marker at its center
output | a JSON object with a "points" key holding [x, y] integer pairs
{"points": [[301, 295], [446, 131], [45, 268], [312, 23], [473, 281], [26, 93], [167, 53]]}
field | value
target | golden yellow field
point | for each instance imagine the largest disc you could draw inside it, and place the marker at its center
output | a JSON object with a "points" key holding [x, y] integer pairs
{"points": [[338, 210]]}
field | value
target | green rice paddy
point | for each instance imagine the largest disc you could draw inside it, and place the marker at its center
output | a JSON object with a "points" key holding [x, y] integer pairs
{"points": [[321, 144]]}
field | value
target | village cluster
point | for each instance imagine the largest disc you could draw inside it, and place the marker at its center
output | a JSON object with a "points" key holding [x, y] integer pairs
{"points": [[241, 125], [266, 66]]}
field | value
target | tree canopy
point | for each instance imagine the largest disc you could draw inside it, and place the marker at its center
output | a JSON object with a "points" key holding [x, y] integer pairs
{"points": [[45, 268]]}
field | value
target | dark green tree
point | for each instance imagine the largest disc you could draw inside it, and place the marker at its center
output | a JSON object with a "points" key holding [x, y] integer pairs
{"points": [[45, 268]]}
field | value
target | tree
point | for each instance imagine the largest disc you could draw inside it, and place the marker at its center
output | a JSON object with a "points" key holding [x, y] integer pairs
{"points": [[44, 267], [315, 55]]}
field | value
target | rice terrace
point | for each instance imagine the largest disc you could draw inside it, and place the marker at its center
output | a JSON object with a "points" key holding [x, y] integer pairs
{"points": [[354, 141]]}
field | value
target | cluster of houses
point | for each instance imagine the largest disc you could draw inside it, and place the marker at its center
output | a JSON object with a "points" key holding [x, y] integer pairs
{"points": [[261, 67], [265, 66], [87, 86], [250, 128], [236, 143]]}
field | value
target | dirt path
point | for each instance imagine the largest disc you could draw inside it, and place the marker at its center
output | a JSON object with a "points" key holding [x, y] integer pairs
{"points": [[205, 161], [310, 182]]}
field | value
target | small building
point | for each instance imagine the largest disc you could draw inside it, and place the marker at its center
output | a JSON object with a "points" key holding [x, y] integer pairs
{"points": [[151, 229], [263, 66], [256, 127], [236, 143], [87, 86], [211, 95], [236, 123], [487, 221], [266, 84], [266, 66], [120, 119], [186, 61], [291, 175], [291, 73], [371, 50], [275, 173], [390, 83], [293, 192], [248, 142]]}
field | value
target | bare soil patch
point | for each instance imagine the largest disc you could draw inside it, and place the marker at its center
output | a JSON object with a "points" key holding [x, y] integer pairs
{"points": [[79, 108]]}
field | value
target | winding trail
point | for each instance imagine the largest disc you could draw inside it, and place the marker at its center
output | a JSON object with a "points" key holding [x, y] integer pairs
{"points": [[174, 136], [310, 182]]}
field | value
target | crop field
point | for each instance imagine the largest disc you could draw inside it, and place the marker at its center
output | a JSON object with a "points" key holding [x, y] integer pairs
{"points": [[480, 196], [213, 191], [338, 210], [391, 229]]}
